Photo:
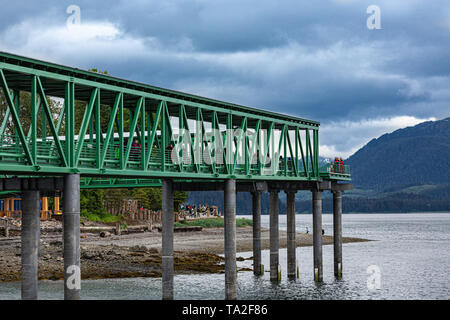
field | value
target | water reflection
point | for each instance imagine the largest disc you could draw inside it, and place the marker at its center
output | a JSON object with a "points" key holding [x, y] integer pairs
{"points": [[412, 252]]}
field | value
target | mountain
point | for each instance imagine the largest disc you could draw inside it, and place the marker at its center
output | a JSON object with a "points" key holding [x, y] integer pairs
{"points": [[407, 170], [413, 156]]}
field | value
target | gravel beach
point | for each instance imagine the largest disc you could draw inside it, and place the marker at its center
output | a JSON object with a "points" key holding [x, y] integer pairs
{"points": [[211, 240], [138, 254]]}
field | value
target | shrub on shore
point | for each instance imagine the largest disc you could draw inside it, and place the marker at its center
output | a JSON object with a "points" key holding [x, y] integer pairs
{"points": [[205, 223], [212, 223], [105, 217]]}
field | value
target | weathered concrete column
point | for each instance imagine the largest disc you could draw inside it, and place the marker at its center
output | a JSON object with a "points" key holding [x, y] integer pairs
{"points": [[30, 244], [337, 233], [291, 245], [167, 239], [230, 239], [317, 235], [71, 237], [274, 258], [256, 196]]}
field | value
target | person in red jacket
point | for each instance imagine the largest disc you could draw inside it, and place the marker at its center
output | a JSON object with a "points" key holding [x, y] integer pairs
{"points": [[341, 165], [135, 149], [336, 164]]}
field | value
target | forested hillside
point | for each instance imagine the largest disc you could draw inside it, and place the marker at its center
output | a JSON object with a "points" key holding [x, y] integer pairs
{"points": [[418, 155]]}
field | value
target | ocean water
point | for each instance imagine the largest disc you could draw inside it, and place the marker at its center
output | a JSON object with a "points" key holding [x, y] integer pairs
{"points": [[411, 259]]}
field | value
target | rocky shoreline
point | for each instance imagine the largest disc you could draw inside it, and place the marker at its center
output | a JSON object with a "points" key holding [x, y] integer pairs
{"points": [[108, 261], [138, 254]]}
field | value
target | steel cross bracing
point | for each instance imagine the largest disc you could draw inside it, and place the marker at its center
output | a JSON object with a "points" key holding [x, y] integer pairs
{"points": [[179, 136]]}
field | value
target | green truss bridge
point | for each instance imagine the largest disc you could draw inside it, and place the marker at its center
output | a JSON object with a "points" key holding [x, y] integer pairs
{"points": [[62, 129], [179, 135]]}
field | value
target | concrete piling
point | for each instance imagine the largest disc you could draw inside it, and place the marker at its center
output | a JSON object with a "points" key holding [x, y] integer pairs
{"points": [[291, 245], [167, 239], [317, 235], [70, 185], [337, 233], [230, 239], [256, 197], [71, 237], [30, 244], [274, 257]]}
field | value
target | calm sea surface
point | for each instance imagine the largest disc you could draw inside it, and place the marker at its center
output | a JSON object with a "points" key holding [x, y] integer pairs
{"points": [[411, 251]]}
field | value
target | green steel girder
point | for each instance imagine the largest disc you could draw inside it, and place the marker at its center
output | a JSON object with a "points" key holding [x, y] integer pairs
{"points": [[107, 183], [152, 113], [47, 112]]}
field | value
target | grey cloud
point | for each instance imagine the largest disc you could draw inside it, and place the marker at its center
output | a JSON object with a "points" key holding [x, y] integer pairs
{"points": [[314, 60]]}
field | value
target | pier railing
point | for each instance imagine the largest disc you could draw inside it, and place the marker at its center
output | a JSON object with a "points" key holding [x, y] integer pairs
{"points": [[335, 172]]}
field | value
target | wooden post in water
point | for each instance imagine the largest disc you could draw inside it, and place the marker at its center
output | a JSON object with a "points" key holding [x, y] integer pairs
{"points": [[6, 228]]}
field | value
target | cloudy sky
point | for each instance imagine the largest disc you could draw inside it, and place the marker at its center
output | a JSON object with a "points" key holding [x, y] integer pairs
{"points": [[312, 59]]}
